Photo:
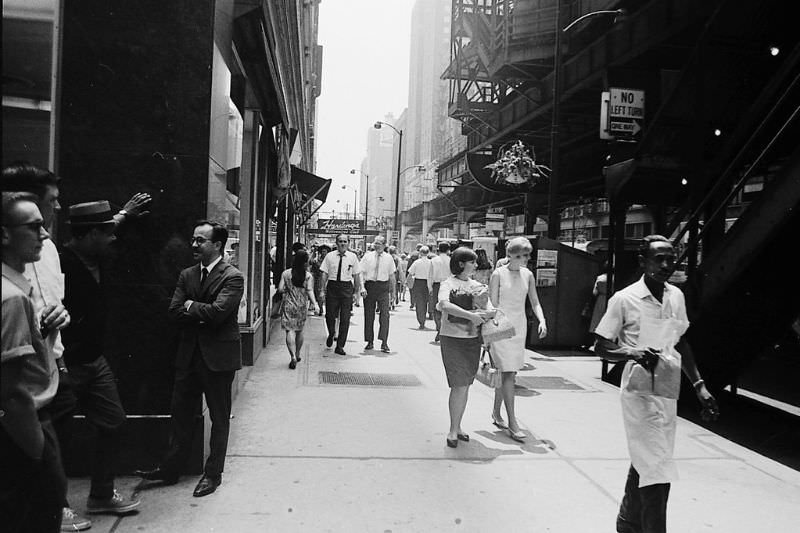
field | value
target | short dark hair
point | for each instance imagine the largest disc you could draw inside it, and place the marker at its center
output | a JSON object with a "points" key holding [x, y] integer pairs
{"points": [[25, 177], [345, 235], [644, 245], [444, 247], [297, 246], [12, 198], [461, 255], [219, 233]]}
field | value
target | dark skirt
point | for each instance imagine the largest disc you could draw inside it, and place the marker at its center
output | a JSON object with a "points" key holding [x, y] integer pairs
{"points": [[460, 357]]}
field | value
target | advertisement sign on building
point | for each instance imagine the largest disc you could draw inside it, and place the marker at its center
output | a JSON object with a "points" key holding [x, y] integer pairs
{"points": [[495, 219], [335, 226]]}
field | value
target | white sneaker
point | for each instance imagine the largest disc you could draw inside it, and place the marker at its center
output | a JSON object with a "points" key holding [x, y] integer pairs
{"points": [[116, 504], [72, 521]]}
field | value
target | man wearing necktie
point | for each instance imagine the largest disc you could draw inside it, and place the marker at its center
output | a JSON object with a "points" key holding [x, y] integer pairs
{"points": [[205, 306], [378, 269], [340, 278]]}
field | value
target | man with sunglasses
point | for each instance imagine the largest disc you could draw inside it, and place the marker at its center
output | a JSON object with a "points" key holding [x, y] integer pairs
{"points": [[340, 279], [33, 483]]}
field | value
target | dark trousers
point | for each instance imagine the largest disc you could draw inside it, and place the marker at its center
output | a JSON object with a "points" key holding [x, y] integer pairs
{"points": [[432, 301], [190, 385], [338, 304], [643, 510], [31, 491], [420, 294], [379, 293], [91, 389]]}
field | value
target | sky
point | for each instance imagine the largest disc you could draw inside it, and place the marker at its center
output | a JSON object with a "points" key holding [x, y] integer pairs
{"points": [[364, 77]]}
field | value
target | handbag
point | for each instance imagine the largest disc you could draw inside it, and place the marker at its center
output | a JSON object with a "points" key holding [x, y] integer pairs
{"points": [[410, 282], [487, 372], [497, 329]]}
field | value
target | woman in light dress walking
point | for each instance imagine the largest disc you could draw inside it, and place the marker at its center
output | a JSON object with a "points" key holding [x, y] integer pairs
{"points": [[509, 286], [297, 287]]}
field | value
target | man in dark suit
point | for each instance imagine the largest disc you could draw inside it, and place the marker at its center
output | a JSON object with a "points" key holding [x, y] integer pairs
{"points": [[204, 306]]}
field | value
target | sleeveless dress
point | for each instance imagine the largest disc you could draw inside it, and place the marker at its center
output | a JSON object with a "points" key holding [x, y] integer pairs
{"points": [[295, 302], [509, 354]]}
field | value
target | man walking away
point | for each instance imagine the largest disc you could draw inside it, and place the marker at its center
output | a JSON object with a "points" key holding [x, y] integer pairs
{"points": [[440, 271], [379, 274], [33, 488], [340, 278], [420, 271], [644, 325]]}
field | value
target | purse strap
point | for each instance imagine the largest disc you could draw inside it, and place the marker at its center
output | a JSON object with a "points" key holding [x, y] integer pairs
{"points": [[489, 353]]}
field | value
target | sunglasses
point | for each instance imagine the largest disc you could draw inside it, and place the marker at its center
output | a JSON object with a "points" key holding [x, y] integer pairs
{"points": [[36, 227]]}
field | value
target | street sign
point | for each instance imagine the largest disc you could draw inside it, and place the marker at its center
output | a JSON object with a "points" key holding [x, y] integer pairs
{"points": [[343, 225], [395, 235], [625, 112]]}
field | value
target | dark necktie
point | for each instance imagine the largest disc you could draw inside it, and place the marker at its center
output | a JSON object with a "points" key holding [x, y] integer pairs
{"points": [[203, 276], [377, 264], [339, 271]]}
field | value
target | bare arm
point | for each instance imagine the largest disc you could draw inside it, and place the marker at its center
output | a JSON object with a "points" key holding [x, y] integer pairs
{"points": [[494, 289], [533, 296], [689, 366], [310, 290]]}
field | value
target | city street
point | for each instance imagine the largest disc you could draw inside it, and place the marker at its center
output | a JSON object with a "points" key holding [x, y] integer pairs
{"points": [[309, 456]]}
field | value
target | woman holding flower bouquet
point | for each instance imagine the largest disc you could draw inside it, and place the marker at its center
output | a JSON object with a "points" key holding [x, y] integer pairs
{"points": [[509, 286], [463, 303]]}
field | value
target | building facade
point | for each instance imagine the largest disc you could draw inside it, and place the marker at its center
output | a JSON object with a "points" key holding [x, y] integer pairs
{"points": [[208, 106]]}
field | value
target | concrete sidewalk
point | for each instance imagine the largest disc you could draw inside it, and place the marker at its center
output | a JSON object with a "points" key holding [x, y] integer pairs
{"points": [[307, 456]]}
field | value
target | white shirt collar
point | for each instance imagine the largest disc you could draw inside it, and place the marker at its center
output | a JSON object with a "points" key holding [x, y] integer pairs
{"points": [[641, 290], [211, 266]]}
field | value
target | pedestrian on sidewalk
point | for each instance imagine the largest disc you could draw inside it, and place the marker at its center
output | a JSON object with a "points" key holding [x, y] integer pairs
{"points": [[483, 270], [509, 287], [204, 306], [316, 271], [378, 271], [93, 386], [297, 286], [395, 286], [644, 325], [439, 271], [419, 272], [340, 278], [410, 279], [402, 271], [30, 461], [460, 337]]}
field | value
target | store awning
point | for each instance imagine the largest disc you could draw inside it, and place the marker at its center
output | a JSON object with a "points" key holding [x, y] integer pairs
{"points": [[307, 189]]}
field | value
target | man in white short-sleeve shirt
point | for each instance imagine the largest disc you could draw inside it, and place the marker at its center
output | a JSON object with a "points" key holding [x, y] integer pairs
{"points": [[420, 271], [644, 325], [379, 273], [340, 279]]}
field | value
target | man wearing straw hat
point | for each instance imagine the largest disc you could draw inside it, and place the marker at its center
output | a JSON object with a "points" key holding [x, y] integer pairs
{"points": [[93, 382]]}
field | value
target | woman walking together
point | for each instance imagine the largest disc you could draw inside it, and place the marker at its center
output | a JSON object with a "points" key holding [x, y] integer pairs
{"points": [[297, 287], [483, 268], [509, 286], [459, 336]]}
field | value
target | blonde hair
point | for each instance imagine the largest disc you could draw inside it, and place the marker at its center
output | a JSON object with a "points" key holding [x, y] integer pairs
{"points": [[518, 245]]}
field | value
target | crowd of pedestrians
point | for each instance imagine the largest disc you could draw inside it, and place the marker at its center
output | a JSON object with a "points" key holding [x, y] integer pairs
{"points": [[53, 362]]}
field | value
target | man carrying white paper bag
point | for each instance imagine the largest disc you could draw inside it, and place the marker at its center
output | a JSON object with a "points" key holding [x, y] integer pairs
{"points": [[644, 325]]}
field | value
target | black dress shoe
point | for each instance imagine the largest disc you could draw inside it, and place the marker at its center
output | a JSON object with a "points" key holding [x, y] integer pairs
{"points": [[339, 351], [385, 348], [369, 346], [329, 341], [207, 485], [157, 474]]}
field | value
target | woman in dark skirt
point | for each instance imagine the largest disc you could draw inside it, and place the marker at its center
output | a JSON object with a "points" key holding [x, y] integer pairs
{"points": [[463, 304], [297, 286]]}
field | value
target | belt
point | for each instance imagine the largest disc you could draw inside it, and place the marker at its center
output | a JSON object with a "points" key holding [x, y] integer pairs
{"points": [[376, 281]]}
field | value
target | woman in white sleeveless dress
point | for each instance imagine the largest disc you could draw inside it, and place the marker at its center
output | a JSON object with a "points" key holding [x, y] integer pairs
{"points": [[509, 286]]}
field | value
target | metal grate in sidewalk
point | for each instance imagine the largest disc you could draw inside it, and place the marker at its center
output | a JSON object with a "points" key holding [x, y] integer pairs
{"points": [[547, 383], [368, 379]]}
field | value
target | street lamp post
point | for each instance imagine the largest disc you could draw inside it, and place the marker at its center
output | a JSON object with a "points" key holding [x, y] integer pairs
{"points": [[366, 197], [355, 199], [553, 221], [378, 125]]}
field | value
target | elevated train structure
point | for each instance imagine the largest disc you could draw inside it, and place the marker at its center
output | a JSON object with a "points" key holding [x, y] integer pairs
{"points": [[717, 161]]}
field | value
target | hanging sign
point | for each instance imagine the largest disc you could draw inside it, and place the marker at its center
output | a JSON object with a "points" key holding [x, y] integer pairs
{"points": [[348, 226], [625, 112]]}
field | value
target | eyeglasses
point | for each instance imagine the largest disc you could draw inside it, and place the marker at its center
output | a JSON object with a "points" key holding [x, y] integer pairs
{"points": [[36, 227], [198, 240], [342, 242]]}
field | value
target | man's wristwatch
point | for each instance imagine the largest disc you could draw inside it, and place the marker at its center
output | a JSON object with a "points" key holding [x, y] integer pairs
{"points": [[123, 212]]}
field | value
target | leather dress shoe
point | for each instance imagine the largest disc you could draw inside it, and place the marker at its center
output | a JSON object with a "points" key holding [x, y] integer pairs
{"points": [[369, 346], [329, 341], [206, 485], [385, 348], [158, 474], [339, 351]]}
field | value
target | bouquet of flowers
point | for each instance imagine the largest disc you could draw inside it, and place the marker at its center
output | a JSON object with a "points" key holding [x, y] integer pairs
{"points": [[517, 165], [477, 298]]}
